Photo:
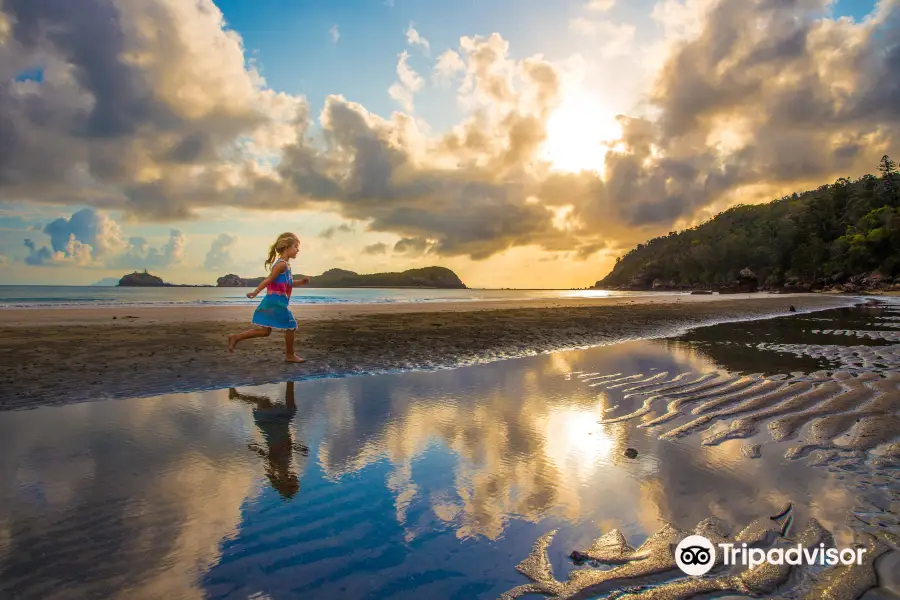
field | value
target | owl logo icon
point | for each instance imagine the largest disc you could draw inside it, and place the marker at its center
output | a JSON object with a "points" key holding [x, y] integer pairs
{"points": [[695, 555]]}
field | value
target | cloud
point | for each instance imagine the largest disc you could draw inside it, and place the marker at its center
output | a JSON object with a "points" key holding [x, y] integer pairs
{"points": [[615, 39], [140, 254], [219, 256], [154, 110], [86, 238], [158, 136], [93, 238], [379, 248], [448, 64], [412, 247], [600, 5], [73, 253], [335, 33], [342, 228], [410, 83], [414, 39], [87, 226], [763, 93]]}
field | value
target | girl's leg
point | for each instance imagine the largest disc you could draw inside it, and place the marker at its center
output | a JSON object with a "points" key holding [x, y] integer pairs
{"points": [[289, 355], [234, 338]]}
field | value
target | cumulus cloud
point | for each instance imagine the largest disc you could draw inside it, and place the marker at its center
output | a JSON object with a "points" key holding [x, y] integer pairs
{"points": [[764, 92], [140, 254], [142, 107], [379, 248], [448, 65], [92, 238], [154, 110], [87, 237], [414, 39], [87, 226], [219, 255], [410, 83], [72, 253]]}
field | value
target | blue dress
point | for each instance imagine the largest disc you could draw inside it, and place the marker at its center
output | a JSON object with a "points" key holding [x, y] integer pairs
{"points": [[273, 311]]}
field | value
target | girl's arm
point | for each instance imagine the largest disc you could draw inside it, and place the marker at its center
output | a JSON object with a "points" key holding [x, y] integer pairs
{"points": [[276, 271]]}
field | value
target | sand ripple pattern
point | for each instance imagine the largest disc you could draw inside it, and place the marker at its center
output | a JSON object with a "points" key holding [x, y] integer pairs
{"points": [[845, 419], [888, 336], [636, 573], [852, 407]]}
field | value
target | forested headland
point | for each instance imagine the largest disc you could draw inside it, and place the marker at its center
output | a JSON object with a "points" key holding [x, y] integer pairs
{"points": [[843, 236]]}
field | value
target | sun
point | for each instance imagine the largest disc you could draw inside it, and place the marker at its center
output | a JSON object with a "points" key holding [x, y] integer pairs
{"points": [[579, 134]]}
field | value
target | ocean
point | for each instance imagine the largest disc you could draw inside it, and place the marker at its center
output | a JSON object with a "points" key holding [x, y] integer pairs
{"points": [[29, 296]]}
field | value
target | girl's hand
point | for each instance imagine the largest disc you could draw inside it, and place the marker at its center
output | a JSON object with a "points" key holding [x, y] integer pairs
{"points": [[252, 294], [304, 281]]}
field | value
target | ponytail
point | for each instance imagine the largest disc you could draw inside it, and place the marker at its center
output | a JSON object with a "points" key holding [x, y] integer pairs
{"points": [[271, 258]]}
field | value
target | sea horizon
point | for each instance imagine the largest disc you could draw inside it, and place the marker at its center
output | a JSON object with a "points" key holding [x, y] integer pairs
{"points": [[72, 296]]}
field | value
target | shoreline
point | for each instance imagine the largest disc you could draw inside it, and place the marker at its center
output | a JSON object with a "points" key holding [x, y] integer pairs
{"points": [[73, 315], [54, 356]]}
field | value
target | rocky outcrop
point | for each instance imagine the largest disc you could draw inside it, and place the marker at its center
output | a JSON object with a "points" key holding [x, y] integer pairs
{"points": [[144, 279], [232, 280], [746, 283], [868, 282]]}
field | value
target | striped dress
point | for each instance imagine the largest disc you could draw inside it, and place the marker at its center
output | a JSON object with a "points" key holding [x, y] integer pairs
{"points": [[273, 311]]}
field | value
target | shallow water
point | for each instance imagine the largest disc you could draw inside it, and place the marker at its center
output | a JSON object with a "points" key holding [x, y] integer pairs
{"points": [[439, 484]]}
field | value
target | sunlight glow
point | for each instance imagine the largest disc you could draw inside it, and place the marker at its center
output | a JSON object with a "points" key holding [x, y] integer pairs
{"points": [[577, 444], [579, 135]]}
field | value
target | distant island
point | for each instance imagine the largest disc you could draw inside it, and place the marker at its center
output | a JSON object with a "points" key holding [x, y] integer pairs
{"points": [[427, 277], [145, 279], [842, 237]]}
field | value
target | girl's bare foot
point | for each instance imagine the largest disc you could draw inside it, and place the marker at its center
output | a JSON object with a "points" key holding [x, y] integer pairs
{"points": [[231, 342], [294, 359]]}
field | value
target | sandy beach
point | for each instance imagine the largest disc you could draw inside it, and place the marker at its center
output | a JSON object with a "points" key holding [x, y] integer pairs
{"points": [[57, 356]]}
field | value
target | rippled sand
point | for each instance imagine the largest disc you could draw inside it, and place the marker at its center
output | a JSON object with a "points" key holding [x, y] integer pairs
{"points": [[845, 419], [654, 561]]}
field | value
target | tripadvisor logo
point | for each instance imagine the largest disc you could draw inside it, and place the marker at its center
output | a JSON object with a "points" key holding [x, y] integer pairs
{"points": [[695, 555]]}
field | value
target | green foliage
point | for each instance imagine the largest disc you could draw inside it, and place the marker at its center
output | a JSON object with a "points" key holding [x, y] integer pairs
{"points": [[838, 230], [436, 277]]}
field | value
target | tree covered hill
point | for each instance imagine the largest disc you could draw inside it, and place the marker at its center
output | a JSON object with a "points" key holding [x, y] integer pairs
{"points": [[843, 234], [427, 277]]}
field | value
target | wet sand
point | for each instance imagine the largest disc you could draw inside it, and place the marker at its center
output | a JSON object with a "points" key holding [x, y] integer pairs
{"points": [[57, 356]]}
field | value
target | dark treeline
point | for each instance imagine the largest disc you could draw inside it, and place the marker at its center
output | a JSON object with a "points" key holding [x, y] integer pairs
{"points": [[816, 238]]}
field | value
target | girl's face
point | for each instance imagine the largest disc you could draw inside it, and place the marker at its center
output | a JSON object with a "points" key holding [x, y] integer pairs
{"points": [[293, 251]]}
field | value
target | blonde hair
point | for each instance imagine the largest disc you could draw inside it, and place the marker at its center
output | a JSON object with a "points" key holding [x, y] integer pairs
{"points": [[284, 241]]}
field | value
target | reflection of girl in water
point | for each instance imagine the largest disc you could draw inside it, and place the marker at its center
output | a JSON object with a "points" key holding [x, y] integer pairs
{"points": [[274, 422]]}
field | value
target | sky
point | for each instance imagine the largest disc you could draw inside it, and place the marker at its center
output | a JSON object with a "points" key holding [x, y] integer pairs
{"points": [[520, 143]]}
